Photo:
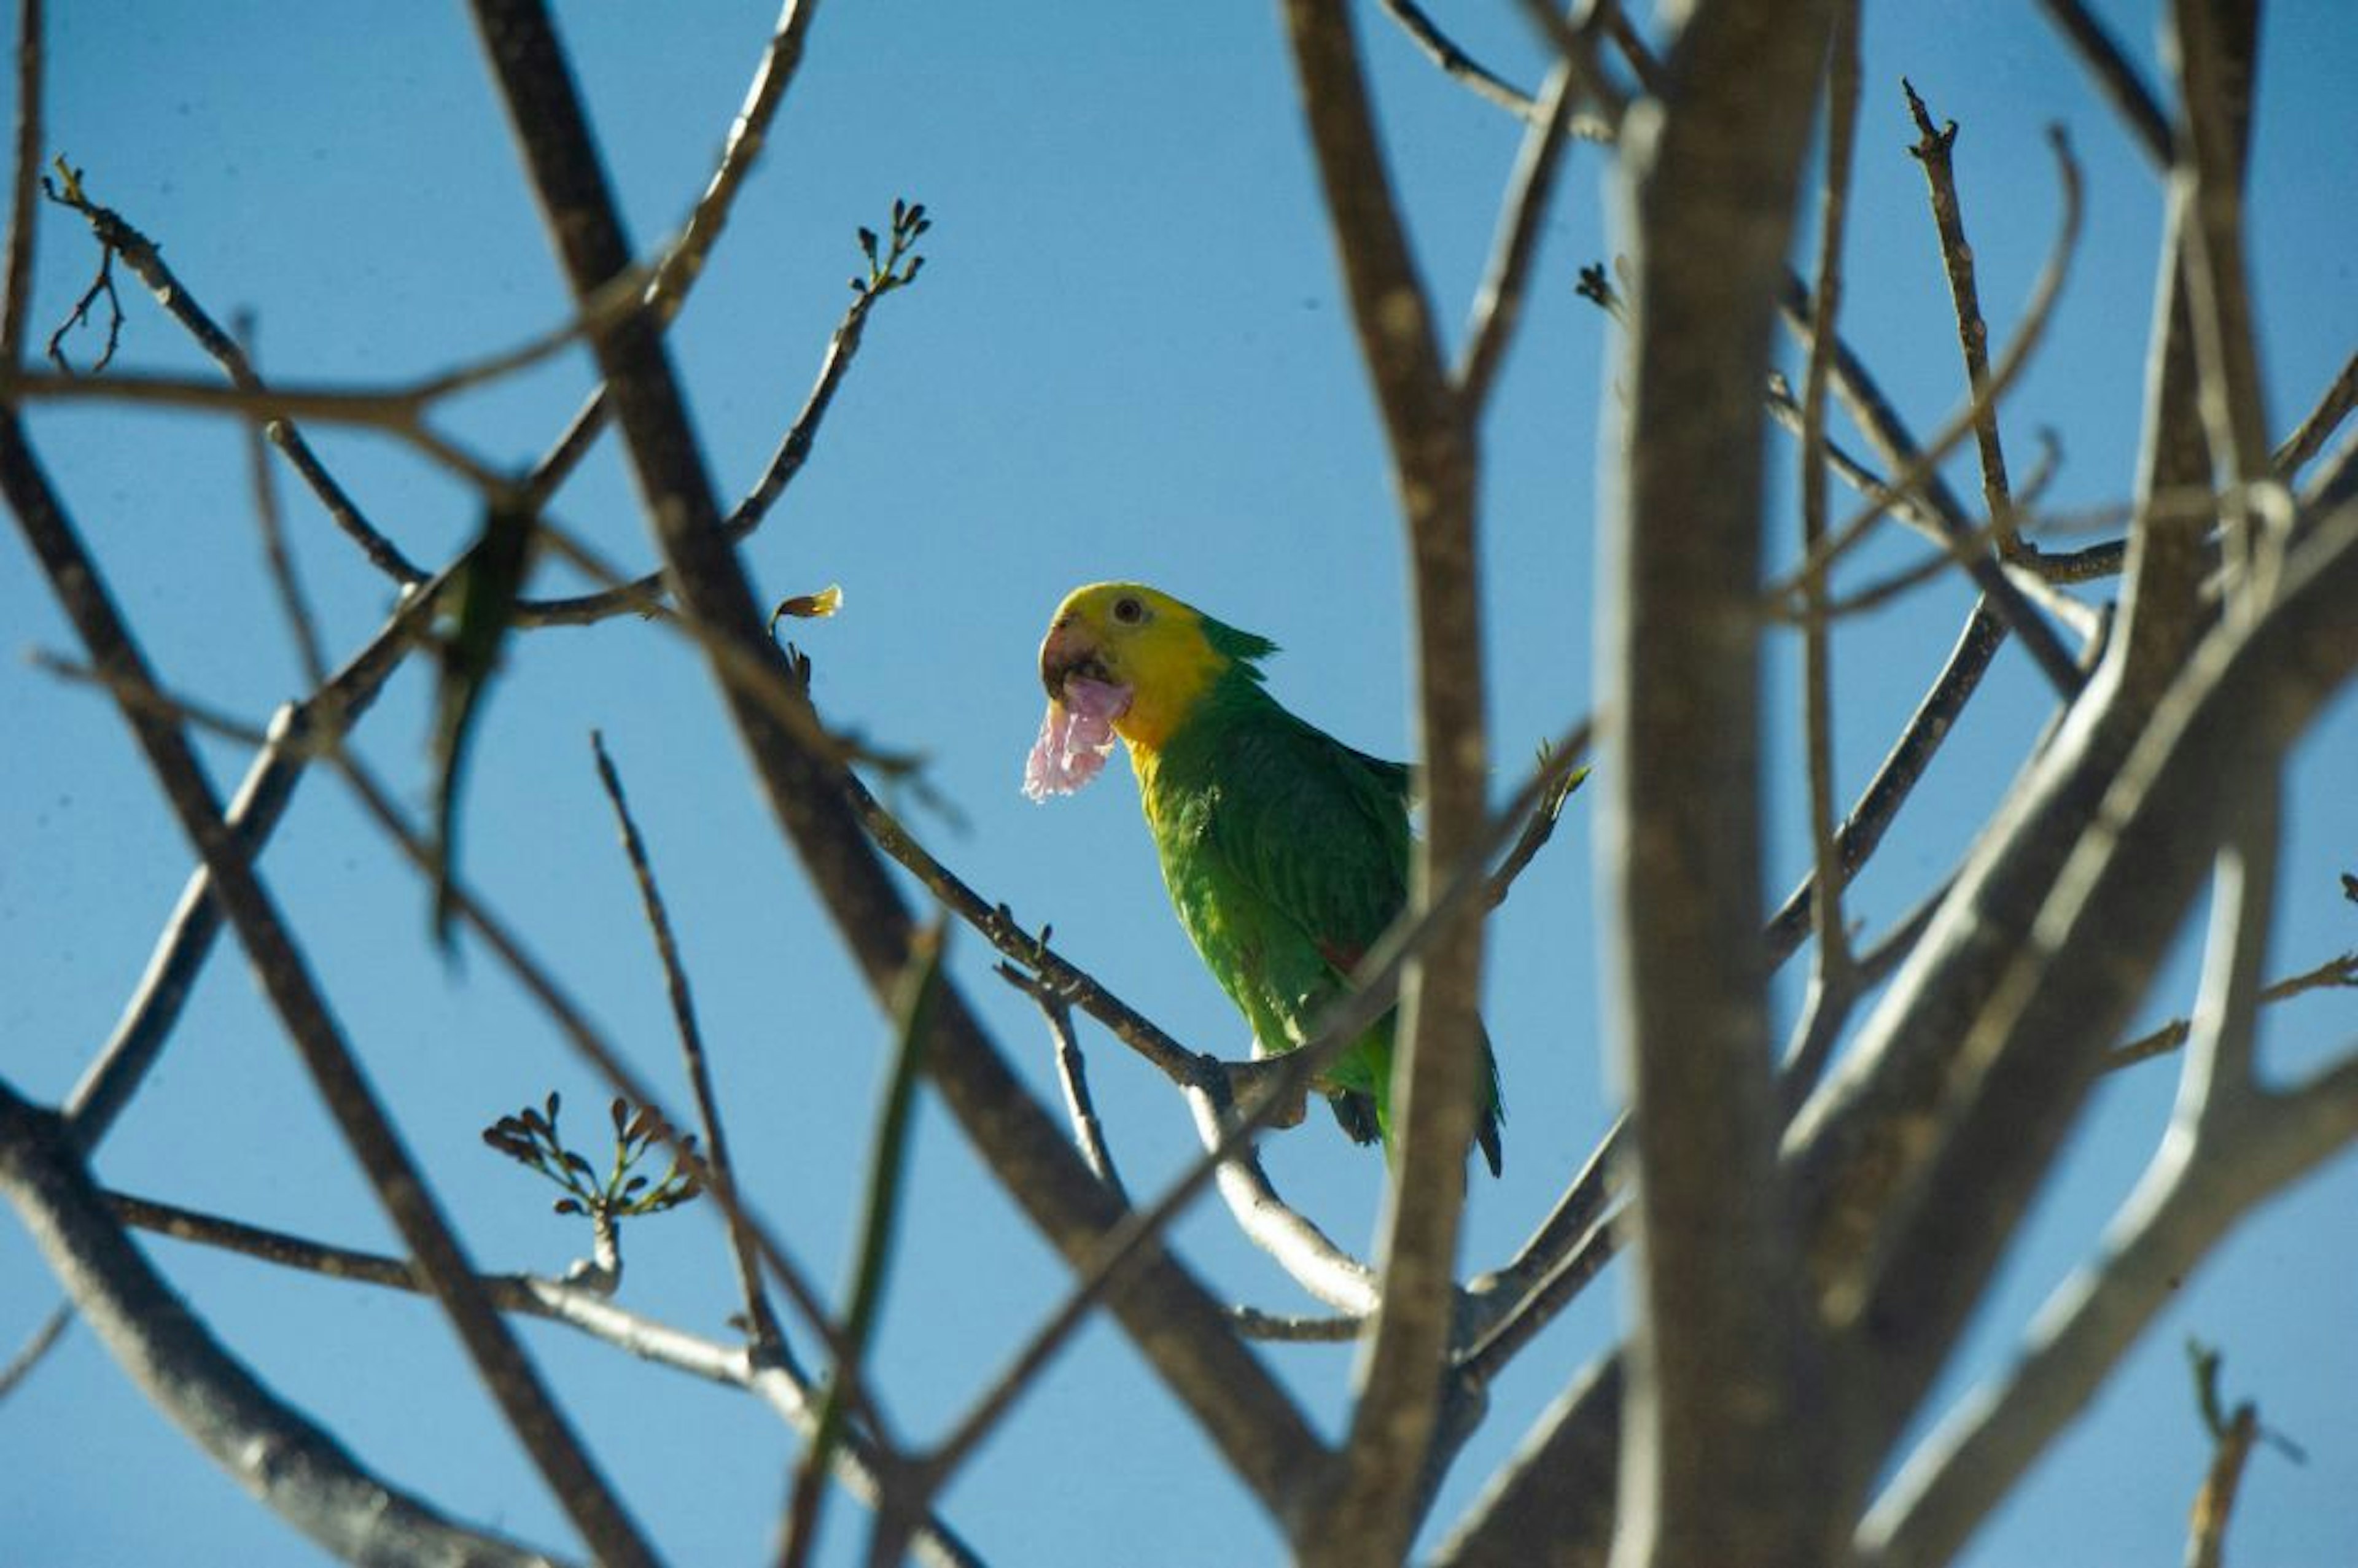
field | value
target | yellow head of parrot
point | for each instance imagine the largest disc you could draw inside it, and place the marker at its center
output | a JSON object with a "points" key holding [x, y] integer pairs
{"points": [[1127, 634]]}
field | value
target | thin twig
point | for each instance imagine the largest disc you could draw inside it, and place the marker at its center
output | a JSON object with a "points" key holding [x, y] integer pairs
{"points": [[2233, 1435], [397, 412], [1456, 64], [1575, 46], [1787, 411], [2338, 972], [171, 708], [2331, 408], [683, 263], [1935, 565], [36, 1348], [399, 407], [1832, 954], [760, 1322], [1498, 307], [645, 594], [1539, 827], [1072, 1073], [1485, 1358], [1902, 767], [118, 236], [1577, 1212], [293, 604], [1913, 471], [1933, 153], [1923, 463], [998, 927], [1615, 22]]}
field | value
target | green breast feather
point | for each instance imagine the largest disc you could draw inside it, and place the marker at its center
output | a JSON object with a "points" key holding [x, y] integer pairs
{"points": [[1286, 854]]}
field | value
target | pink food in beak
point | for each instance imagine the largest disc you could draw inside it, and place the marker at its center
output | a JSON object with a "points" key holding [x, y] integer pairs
{"points": [[1075, 737]]}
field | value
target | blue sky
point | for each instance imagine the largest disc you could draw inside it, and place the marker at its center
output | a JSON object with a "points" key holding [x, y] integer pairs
{"points": [[1128, 356]]}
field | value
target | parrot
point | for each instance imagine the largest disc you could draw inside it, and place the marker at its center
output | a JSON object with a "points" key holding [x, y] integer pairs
{"points": [[1285, 852]]}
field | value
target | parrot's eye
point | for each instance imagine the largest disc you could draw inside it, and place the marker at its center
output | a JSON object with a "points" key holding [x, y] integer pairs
{"points": [[1129, 612]]}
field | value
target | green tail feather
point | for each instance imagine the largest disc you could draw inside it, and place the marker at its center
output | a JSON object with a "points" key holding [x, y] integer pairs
{"points": [[1367, 1116]]}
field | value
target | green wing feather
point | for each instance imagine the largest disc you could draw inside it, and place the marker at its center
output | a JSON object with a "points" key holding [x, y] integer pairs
{"points": [[1286, 854]]}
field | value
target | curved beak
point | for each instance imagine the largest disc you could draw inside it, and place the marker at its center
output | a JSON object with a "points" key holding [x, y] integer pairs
{"points": [[1069, 649]]}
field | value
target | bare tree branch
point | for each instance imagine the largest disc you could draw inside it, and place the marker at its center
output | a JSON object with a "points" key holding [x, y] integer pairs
{"points": [[1317, 1265], [1459, 66], [1556, 1500], [1181, 1330], [287, 979], [2115, 78], [2341, 970], [24, 184], [1902, 768], [1931, 151], [1072, 1073], [2032, 1046], [2232, 1437], [2232, 1146], [34, 1349], [761, 1323], [774, 1378], [1833, 956], [1484, 1358], [748, 134], [138, 1038], [1437, 1052], [2170, 555], [1500, 305], [1254, 1324], [645, 593], [272, 1450], [1726, 1457], [1919, 472], [1882, 424], [2232, 396], [2332, 407]]}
